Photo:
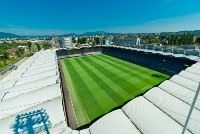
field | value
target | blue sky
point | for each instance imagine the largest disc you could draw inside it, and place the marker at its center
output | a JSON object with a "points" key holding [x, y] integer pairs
{"points": [[39, 17]]}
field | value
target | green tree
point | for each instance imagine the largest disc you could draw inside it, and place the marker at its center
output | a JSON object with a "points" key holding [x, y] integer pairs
{"points": [[197, 40], [174, 42], [29, 44], [18, 53], [73, 39], [190, 39], [38, 47], [82, 40], [156, 40], [47, 45], [5, 54], [170, 39], [97, 40]]}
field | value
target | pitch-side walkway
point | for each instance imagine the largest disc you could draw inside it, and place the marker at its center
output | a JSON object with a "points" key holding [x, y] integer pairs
{"points": [[18, 63], [71, 119]]}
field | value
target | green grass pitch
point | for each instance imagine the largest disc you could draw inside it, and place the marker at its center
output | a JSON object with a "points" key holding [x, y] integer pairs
{"points": [[99, 83]]}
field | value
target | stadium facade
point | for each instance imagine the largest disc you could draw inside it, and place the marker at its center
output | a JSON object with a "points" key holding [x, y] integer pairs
{"points": [[32, 100], [66, 42], [127, 42]]}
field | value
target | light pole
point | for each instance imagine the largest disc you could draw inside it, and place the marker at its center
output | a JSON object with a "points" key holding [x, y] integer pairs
{"points": [[191, 109]]}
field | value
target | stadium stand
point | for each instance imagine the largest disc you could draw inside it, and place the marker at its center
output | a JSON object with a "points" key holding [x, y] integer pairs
{"points": [[78, 52], [161, 62], [32, 101]]}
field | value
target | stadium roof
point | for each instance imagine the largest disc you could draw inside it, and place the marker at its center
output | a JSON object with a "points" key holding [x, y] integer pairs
{"points": [[191, 57], [31, 98], [32, 94]]}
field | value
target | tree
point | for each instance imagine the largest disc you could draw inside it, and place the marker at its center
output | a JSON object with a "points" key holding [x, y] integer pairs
{"points": [[190, 38], [82, 40], [29, 44], [18, 54], [197, 40], [73, 39], [5, 54], [38, 47], [47, 45], [170, 39], [156, 40], [186, 39], [174, 42], [97, 40], [163, 39]]}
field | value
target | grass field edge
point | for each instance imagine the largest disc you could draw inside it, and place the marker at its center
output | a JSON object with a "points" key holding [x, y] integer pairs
{"points": [[68, 79]]}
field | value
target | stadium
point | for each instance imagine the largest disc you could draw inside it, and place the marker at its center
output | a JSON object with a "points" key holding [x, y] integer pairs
{"points": [[101, 90]]}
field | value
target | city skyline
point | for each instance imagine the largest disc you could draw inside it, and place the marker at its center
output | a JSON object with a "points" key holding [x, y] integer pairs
{"points": [[61, 16]]}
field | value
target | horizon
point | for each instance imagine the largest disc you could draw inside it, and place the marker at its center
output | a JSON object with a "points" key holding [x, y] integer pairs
{"points": [[101, 31], [62, 17]]}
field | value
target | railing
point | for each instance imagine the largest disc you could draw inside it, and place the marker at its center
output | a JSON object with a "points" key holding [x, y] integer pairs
{"points": [[9, 68]]}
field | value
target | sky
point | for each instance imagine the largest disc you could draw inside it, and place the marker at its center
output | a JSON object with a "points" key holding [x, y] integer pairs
{"points": [[43, 17]]}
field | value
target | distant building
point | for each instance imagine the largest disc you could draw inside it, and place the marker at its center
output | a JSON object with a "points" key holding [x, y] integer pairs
{"points": [[85, 45], [37, 41], [25, 48], [127, 42], [106, 42], [66, 42]]}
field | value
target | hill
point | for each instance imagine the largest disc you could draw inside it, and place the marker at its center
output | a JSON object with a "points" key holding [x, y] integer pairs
{"points": [[8, 35], [90, 33]]}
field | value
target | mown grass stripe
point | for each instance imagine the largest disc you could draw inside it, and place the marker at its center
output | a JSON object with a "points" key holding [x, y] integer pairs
{"points": [[144, 72], [98, 93], [80, 112], [132, 66], [133, 72], [111, 81], [116, 98], [87, 97], [129, 87], [126, 79]]}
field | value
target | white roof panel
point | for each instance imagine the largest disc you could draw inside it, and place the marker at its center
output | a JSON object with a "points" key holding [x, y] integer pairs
{"points": [[30, 78], [59, 128], [85, 131], [42, 69], [188, 83], [11, 106], [179, 55], [45, 110], [194, 77], [75, 132], [198, 63], [115, 122], [25, 70], [50, 64], [180, 92], [191, 57], [149, 119], [196, 66], [193, 70], [174, 107], [33, 85], [37, 76], [65, 131]]}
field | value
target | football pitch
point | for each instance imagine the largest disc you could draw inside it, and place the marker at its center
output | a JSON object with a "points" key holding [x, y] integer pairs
{"points": [[99, 83]]}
